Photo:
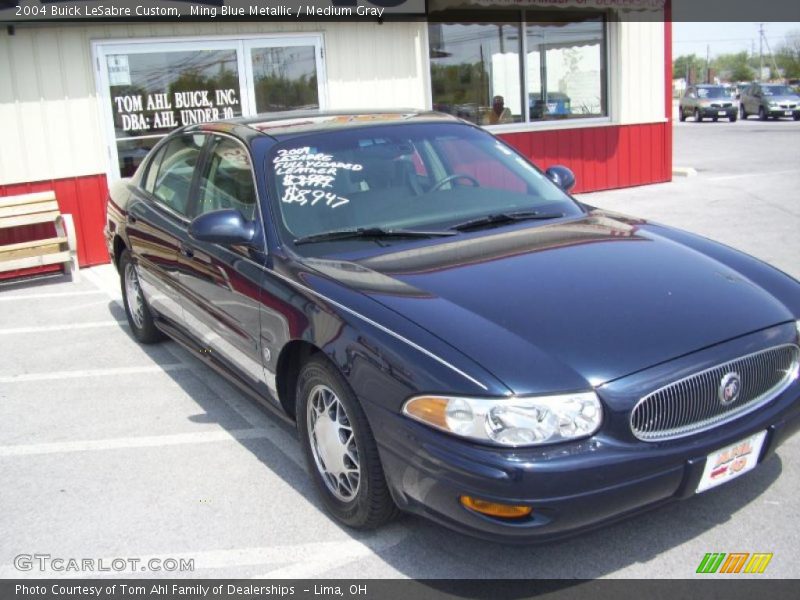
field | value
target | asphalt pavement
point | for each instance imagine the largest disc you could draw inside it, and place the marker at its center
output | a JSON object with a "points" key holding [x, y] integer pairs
{"points": [[109, 449]]}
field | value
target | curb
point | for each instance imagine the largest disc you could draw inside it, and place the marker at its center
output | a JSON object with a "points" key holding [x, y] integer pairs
{"points": [[683, 172]]}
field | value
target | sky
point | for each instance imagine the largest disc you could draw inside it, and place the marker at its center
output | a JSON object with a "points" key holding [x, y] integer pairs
{"points": [[723, 38]]}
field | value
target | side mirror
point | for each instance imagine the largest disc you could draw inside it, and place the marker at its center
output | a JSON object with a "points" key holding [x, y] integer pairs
{"points": [[561, 176], [226, 226]]}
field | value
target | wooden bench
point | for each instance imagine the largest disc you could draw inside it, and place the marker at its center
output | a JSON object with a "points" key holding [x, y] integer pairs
{"points": [[32, 209]]}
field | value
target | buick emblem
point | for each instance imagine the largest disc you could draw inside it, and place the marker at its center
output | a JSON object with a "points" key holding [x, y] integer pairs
{"points": [[729, 388]]}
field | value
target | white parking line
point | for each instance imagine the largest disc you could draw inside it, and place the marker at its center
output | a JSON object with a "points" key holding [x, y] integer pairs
{"points": [[17, 297], [202, 437], [113, 372], [313, 557], [108, 284], [65, 327]]}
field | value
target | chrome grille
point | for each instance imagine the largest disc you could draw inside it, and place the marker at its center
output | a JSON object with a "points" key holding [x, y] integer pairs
{"points": [[693, 404]]}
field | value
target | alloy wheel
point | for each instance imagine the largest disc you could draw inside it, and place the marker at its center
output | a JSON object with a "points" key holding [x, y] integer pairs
{"points": [[133, 295], [333, 443]]}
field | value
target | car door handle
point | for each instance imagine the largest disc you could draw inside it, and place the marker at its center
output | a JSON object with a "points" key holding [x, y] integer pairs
{"points": [[187, 251]]}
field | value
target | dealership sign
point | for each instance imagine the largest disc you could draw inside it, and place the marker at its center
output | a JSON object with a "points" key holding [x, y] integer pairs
{"points": [[81, 10]]}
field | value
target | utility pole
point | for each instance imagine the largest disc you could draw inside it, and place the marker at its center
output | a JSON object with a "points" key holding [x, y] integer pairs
{"points": [[772, 58], [708, 67], [760, 50]]}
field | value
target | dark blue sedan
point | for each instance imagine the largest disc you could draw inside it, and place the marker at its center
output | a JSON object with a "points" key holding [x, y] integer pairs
{"points": [[452, 333]]}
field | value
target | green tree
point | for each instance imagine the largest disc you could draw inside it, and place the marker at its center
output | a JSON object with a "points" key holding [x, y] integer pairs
{"points": [[787, 55], [733, 67], [683, 64]]}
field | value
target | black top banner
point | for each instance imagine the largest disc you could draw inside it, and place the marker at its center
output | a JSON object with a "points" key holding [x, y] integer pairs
{"points": [[80, 10], [42, 11]]}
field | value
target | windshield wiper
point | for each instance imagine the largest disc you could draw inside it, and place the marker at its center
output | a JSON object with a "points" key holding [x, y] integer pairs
{"points": [[499, 218], [369, 232]]}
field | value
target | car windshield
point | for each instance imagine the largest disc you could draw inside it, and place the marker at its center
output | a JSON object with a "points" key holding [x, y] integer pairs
{"points": [[405, 176], [777, 90], [712, 92]]}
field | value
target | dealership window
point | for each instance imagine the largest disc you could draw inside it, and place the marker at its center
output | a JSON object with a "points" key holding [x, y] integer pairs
{"points": [[484, 70], [285, 78], [153, 87]]}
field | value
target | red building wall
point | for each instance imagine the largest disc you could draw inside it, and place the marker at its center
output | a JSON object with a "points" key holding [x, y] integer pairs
{"points": [[82, 197], [602, 157]]}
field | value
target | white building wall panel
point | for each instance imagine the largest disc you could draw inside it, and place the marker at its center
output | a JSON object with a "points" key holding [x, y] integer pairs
{"points": [[50, 120], [639, 72]]}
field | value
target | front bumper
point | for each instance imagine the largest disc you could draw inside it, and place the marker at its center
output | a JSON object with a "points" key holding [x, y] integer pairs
{"points": [[572, 488], [783, 112], [575, 486], [721, 113]]}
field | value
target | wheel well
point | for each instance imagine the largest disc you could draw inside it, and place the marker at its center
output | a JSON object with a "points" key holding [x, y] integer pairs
{"points": [[119, 246], [291, 359]]}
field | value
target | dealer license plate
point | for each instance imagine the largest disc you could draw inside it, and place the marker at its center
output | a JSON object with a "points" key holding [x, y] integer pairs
{"points": [[788, 113], [730, 462], [722, 113]]}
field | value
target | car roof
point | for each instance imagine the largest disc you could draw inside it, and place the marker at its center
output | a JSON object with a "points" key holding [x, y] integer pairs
{"points": [[289, 124]]}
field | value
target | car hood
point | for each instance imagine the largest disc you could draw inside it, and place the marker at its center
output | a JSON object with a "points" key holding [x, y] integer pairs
{"points": [[599, 297], [789, 98]]}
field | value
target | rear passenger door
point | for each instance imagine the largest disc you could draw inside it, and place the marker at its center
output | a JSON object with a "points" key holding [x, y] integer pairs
{"points": [[221, 283], [157, 222]]}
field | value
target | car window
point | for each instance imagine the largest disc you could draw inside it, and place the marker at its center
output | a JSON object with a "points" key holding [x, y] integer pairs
{"points": [[711, 92], [227, 179], [403, 176], [152, 169], [776, 90], [174, 180], [476, 162]]}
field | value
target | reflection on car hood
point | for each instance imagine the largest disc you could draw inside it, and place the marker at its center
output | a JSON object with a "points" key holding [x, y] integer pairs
{"points": [[601, 296], [789, 98]]}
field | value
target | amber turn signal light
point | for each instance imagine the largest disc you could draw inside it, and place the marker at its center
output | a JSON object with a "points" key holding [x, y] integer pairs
{"points": [[494, 509]]}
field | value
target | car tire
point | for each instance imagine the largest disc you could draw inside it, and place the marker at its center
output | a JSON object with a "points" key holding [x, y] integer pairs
{"points": [[140, 318], [715, 119], [762, 114], [796, 116], [681, 114], [742, 112], [732, 118], [697, 117], [334, 428]]}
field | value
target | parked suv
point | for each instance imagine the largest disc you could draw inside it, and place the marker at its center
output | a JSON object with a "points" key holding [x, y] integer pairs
{"points": [[770, 100], [712, 101]]}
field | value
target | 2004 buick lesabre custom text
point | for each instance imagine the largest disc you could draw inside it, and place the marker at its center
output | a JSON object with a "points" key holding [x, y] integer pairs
{"points": [[453, 334]]}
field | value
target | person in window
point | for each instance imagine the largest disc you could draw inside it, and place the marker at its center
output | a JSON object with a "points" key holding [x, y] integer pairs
{"points": [[499, 113]]}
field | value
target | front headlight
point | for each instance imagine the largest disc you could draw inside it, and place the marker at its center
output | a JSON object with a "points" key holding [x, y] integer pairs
{"points": [[517, 421]]}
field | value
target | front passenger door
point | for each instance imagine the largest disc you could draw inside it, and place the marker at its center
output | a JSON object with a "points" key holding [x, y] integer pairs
{"points": [[221, 283]]}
